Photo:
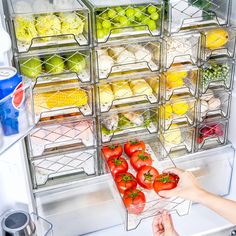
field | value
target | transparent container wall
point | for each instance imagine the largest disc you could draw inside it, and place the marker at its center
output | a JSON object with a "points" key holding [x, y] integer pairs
{"points": [[214, 103], [62, 168], [178, 80], [16, 116], [215, 73], [120, 123], [189, 14], [178, 140], [182, 48], [63, 99], [128, 92], [35, 25], [211, 133], [50, 137], [178, 110], [133, 215], [121, 19], [43, 227], [111, 60], [56, 66], [218, 41]]}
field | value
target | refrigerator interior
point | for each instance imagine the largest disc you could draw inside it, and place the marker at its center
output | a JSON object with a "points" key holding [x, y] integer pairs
{"points": [[81, 203]]}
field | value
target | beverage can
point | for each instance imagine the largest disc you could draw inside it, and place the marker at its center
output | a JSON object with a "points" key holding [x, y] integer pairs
{"points": [[11, 99]]}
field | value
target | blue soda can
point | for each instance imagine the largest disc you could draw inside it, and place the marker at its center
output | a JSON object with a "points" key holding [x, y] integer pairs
{"points": [[11, 99]]}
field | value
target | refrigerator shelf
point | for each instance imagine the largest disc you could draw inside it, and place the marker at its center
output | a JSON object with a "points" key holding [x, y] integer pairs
{"points": [[121, 19], [36, 26], [43, 68], [50, 137], [57, 169], [16, 116], [182, 48], [126, 57], [179, 80], [128, 92], [194, 14], [154, 203]]}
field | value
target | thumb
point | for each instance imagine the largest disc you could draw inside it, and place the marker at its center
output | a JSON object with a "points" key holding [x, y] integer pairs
{"points": [[167, 223], [168, 193]]}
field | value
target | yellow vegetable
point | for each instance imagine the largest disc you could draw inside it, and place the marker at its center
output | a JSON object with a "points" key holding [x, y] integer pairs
{"points": [[121, 89], [167, 111], [180, 108], [173, 135], [106, 94], [141, 87], [174, 79], [216, 38]]}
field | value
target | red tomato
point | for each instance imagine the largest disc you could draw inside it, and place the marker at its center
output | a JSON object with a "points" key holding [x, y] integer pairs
{"points": [[125, 181], [146, 176], [140, 159], [134, 145], [165, 181], [112, 151], [117, 165], [134, 201]]}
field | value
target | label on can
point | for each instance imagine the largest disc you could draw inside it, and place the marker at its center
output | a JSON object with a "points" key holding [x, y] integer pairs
{"points": [[18, 96]]}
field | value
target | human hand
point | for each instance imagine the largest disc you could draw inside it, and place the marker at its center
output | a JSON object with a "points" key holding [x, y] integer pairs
{"points": [[163, 225], [187, 188]]}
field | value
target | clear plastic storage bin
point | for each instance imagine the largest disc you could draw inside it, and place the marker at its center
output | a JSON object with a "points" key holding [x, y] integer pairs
{"points": [[121, 19], [211, 133], [114, 59], [122, 122], [128, 91], [178, 110], [37, 24], [191, 14], [179, 79], [52, 136], [56, 65], [214, 103], [63, 98], [182, 48], [17, 117], [217, 72], [133, 215]]}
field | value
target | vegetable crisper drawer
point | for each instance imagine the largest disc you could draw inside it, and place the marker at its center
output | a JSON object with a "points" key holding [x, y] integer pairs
{"points": [[111, 60], [59, 65], [16, 116], [115, 20], [189, 14], [61, 168], [34, 24], [59, 135], [133, 215]]}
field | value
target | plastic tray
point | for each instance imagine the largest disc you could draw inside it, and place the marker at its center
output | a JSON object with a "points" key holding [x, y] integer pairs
{"points": [[217, 72], [121, 122], [218, 41], [179, 79], [182, 48], [58, 169], [56, 66], [211, 133], [131, 91], [63, 134], [56, 99], [214, 103], [121, 19], [115, 59], [49, 24], [190, 14], [154, 204], [16, 116], [178, 110]]}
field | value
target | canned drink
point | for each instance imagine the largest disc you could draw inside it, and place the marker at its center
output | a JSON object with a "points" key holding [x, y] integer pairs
{"points": [[11, 99]]}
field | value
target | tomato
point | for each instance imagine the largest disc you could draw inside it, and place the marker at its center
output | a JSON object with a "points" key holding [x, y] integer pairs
{"points": [[146, 176], [134, 145], [114, 150], [117, 165], [165, 181], [134, 201], [125, 181], [140, 159]]}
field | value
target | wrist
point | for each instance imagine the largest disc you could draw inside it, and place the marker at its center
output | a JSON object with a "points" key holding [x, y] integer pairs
{"points": [[200, 195]]}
